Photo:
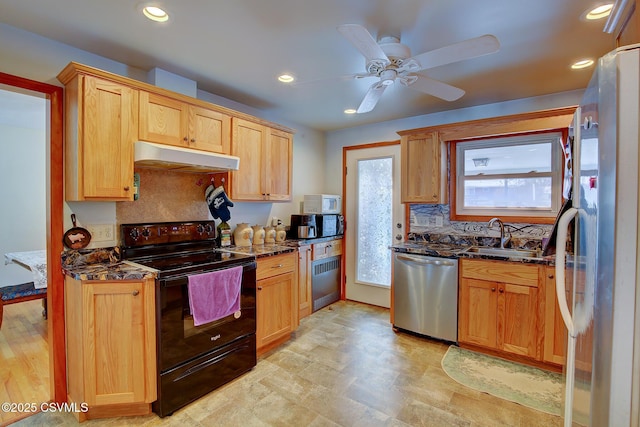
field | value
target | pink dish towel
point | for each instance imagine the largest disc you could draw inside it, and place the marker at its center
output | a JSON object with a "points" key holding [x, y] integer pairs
{"points": [[214, 295]]}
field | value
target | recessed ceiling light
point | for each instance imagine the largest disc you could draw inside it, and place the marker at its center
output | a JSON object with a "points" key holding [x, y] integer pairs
{"points": [[599, 12], [155, 13], [350, 111], [286, 78], [583, 63]]}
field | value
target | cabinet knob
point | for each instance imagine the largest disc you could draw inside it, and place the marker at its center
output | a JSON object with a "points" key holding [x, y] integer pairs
{"points": [[493, 289], [259, 288], [135, 293], [501, 290], [193, 140], [126, 188], [185, 139], [550, 276]]}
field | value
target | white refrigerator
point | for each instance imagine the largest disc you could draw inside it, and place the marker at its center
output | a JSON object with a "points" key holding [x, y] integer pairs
{"points": [[597, 284]]}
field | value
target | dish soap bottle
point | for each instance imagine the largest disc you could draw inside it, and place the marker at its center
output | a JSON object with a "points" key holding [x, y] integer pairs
{"points": [[224, 234]]}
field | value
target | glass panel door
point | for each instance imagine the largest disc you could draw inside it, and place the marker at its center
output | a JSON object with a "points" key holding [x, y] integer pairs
{"points": [[375, 220]]}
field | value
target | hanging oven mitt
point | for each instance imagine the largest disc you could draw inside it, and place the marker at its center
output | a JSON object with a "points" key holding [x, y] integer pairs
{"points": [[218, 203]]}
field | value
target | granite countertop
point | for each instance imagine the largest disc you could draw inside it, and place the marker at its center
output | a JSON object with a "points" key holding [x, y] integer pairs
{"points": [[259, 251], [300, 242], [459, 251], [102, 264]]}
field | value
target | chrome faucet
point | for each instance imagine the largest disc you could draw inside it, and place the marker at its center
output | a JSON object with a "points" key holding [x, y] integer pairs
{"points": [[503, 240]]}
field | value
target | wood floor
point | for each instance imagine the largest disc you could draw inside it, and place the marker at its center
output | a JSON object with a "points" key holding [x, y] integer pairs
{"points": [[24, 356], [344, 367]]}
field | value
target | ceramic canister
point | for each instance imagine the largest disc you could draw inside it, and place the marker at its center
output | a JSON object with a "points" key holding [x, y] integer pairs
{"points": [[269, 234], [281, 233], [258, 235], [243, 234]]}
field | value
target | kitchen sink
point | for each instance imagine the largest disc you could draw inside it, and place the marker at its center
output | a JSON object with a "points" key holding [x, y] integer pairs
{"points": [[506, 252]]}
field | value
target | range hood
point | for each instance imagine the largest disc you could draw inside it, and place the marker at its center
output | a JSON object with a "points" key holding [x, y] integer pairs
{"points": [[151, 155]]}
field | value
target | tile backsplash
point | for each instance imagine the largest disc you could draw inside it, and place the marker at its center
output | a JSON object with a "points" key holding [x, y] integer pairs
{"points": [[166, 196], [431, 222]]}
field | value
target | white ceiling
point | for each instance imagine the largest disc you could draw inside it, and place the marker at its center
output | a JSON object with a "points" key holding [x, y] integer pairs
{"points": [[236, 49]]}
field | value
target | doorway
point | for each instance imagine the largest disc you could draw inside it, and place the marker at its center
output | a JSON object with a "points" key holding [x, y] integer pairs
{"points": [[54, 227], [374, 218]]}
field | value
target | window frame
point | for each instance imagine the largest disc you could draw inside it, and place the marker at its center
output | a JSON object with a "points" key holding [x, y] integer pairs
{"points": [[533, 215]]}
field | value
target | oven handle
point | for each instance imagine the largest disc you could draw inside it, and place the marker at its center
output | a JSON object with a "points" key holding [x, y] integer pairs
{"points": [[182, 279], [207, 363]]}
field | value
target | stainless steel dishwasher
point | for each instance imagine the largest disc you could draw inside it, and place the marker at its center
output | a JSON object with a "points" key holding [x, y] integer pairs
{"points": [[425, 295]]}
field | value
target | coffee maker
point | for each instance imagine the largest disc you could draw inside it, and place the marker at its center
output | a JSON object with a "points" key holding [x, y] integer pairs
{"points": [[303, 226]]}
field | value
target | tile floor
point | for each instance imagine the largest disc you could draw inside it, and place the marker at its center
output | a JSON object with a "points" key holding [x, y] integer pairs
{"points": [[344, 366]]}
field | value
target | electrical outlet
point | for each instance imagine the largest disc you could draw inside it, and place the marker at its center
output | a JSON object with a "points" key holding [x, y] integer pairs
{"points": [[102, 232]]}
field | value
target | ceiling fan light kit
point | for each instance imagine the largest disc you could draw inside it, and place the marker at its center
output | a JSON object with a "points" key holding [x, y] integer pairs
{"points": [[391, 61]]}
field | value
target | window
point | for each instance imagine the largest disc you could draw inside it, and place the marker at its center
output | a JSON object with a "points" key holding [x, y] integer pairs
{"points": [[516, 176]]}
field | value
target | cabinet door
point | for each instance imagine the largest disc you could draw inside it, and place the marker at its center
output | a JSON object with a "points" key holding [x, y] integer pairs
{"points": [[163, 120], [423, 163], [247, 142], [555, 333], [274, 315], [517, 310], [114, 342], [109, 130], [304, 280], [209, 130], [277, 164], [477, 317]]}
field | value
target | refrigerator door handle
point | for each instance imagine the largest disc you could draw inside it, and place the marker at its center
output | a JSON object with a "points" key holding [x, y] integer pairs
{"points": [[561, 243]]}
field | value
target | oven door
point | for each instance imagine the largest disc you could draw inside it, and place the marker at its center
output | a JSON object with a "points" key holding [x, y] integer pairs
{"points": [[179, 340]]}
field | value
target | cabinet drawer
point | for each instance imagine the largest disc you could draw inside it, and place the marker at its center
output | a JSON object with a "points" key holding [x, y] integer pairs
{"points": [[275, 265], [500, 271], [326, 249]]}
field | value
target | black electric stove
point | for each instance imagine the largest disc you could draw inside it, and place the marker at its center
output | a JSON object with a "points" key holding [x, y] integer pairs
{"points": [[192, 360]]}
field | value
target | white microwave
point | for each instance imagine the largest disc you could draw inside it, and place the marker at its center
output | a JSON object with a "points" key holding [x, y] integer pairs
{"points": [[322, 204]]}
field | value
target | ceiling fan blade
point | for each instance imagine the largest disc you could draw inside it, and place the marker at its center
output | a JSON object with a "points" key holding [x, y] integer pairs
{"points": [[344, 77], [436, 88], [363, 41], [371, 98], [467, 49]]}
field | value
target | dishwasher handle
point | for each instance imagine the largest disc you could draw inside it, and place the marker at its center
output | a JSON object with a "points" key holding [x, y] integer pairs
{"points": [[427, 261]]}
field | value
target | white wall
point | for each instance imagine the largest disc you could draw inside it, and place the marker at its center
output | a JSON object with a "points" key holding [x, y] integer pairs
{"points": [[23, 195]]}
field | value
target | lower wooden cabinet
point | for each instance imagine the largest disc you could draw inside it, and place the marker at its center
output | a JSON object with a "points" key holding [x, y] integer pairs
{"points": [[555, 332], [305, 300], [111, 350], [501, 313], [327, 249], [277, 302]]}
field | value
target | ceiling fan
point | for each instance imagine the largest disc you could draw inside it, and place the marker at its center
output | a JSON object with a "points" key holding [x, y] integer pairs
{"points": [[391, 61]]}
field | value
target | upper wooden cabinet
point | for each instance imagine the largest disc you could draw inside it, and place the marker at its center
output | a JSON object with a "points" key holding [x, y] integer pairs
{"points": [[165, 120], [101, 125], [266, 157], [423, 168], [105, 114]]}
